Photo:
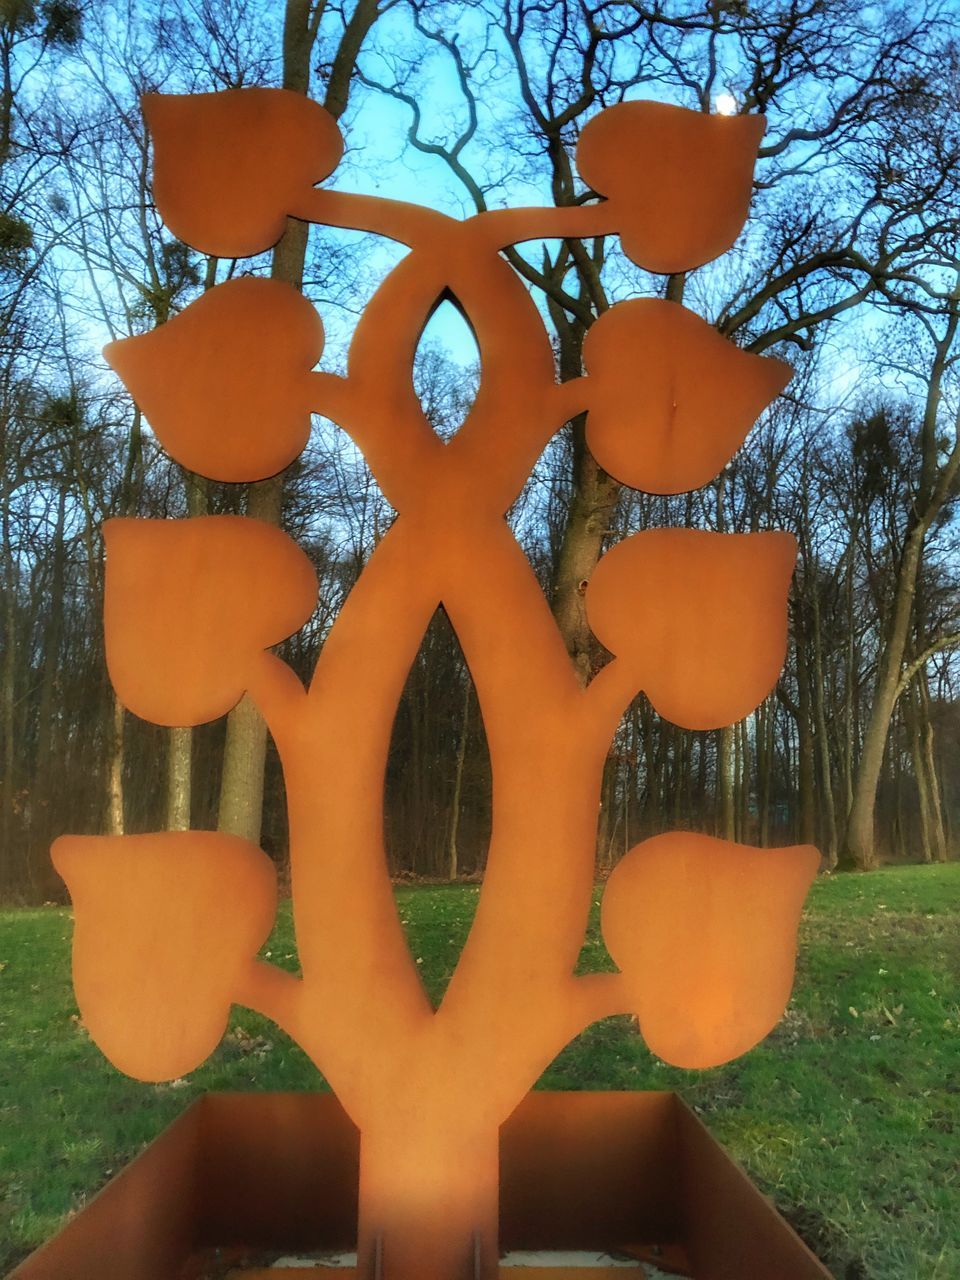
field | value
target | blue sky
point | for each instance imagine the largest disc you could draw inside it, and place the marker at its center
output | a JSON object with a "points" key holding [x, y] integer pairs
{"points": [[378, 161]]}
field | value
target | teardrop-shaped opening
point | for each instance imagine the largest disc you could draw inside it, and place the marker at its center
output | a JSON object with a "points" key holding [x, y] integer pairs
{"points": [[446, 369], [437, 800]]}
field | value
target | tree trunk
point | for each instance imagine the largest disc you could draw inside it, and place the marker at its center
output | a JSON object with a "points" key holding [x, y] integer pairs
{"points": [[631, 782], [849, 692], [650, 777], [924, 828], [9, 871], [453, 859], [179, 761], [9, 751], [702, 763], [806, 778], [594, 498], [927, 753], [898, 821], [936, 481], [241, 783], [609, 818], [38, 873], [946, 771], [115, 822], [180, 739], [245, 748], [745, 776], [764, 766], [681, 746], [725, 820], [859, 845], [828, 847]]}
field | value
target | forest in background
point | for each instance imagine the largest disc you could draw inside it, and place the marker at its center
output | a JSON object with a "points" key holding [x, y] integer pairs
{"points": [[849, 269]]}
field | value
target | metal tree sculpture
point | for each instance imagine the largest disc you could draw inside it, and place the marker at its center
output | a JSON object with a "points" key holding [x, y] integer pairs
{"points": [[168, 926]]}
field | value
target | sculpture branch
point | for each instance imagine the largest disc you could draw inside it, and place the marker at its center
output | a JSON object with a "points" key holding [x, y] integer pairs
{"points": [[277, 995]]}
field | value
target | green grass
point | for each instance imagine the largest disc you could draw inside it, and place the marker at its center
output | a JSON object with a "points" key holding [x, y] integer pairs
{"points": [[848, 1115]]}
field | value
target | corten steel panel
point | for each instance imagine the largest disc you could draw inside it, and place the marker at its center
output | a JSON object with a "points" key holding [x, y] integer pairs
{"points": [[169, 924], [731, 1231], [141, 1226], [577, 1171], [506, 1273], [588, 1170], [279, 1172]]}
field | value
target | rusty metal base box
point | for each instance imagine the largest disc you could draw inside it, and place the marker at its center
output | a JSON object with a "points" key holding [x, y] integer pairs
{"points": [[579, 1171]]}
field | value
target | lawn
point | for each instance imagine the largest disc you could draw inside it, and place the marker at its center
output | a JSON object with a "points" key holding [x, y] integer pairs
{"points": [[848, 1115]]}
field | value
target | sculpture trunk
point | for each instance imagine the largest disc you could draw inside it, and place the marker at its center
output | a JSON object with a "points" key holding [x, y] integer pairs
{"points": [[429, 1204]]}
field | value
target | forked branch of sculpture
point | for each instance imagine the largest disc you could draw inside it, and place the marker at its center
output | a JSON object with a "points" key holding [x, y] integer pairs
{"points": [[168, 926]]}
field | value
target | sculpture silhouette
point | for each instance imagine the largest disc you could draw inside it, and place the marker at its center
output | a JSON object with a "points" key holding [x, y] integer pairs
{"points": [[168, 926]]}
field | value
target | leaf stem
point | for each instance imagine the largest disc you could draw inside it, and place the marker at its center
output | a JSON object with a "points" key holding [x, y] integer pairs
{"points": [[276, 994], [410, 224], [278, 693]]}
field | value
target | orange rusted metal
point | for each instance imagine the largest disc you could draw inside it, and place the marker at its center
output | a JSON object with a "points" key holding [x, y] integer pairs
{"points": [[252, 1174], [697, 620]]}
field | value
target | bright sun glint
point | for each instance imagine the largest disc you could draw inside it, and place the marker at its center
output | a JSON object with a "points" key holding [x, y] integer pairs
{"points": [[726, 104]]}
